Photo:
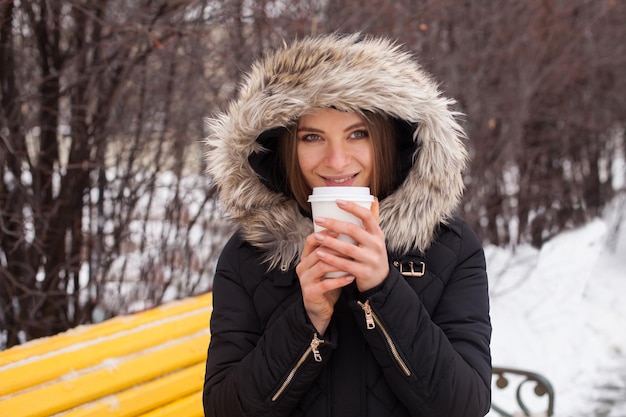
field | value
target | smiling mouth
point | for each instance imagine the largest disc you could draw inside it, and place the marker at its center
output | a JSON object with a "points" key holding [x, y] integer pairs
{"points": [[339, 181]]}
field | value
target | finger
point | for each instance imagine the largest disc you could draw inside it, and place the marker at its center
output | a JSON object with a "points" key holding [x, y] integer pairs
{"points": [[333, 262], [335, 227], [310, 244], [326, 239], [369, 218], [369, 270], [311, 268], [330, 284], [363, 236], [337, 247]]}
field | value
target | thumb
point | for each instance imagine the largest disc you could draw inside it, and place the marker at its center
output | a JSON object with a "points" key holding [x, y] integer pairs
{"points": [[375, 209]]}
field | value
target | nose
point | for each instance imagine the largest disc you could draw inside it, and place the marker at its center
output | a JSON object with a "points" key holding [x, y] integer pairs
{"points": [[337, 155]]}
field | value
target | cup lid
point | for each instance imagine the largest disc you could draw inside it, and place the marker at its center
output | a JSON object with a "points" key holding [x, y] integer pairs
{"points": [[343, 193]]}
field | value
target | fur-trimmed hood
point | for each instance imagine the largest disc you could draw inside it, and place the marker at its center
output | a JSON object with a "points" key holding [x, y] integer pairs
{"points": [[348, 73]]}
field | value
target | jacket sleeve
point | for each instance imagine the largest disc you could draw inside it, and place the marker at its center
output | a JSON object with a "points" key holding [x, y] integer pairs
{"points": [[247, 364], [439, 364]]}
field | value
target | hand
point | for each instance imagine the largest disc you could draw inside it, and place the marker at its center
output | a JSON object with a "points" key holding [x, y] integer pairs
{"points": [[318, 293], [367, 260]]}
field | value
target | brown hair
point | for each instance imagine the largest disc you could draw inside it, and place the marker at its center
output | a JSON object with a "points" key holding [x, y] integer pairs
{"points": [[382, 136]]}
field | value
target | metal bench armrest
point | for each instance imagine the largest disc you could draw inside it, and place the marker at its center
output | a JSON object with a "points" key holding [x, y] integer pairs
{"points": [[542, 388]]}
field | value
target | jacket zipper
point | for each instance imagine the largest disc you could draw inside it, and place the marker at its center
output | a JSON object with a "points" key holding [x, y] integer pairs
{"points": [[313, 348], [371, 321]]}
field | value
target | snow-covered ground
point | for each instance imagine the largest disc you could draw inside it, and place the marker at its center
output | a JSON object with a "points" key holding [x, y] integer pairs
{"points": [[561, 312]]}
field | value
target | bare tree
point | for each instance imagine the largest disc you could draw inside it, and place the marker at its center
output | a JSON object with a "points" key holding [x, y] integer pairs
{"points": [[92, 119], [104, 208]]}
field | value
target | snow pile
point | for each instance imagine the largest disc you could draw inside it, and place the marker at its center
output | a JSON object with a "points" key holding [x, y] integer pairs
{"points": [[558, 312]]}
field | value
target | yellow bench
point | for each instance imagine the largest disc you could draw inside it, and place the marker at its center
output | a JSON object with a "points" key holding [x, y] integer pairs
{"points": [[147, 364]]}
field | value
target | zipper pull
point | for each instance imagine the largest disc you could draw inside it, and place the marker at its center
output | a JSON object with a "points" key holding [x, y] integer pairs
{"points": [[369, 319], [314, 347]]}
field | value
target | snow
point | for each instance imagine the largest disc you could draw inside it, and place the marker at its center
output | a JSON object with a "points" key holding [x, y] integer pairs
{"points": [[559, 312]]}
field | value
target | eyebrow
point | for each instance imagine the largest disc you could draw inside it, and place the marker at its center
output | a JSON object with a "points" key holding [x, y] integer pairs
{"points": [[312, 129]]}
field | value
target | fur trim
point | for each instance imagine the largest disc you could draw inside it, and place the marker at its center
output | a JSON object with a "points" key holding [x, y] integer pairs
{"points": [[348, 73]]}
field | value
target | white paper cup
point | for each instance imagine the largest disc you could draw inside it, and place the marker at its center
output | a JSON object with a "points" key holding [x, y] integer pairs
{"points": [[324, 204]]}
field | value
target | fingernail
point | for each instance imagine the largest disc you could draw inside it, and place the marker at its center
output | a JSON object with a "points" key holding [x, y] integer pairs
{"points": [[342, 202], [321, 253], [349, 278], [320, 219], [319, 237]]}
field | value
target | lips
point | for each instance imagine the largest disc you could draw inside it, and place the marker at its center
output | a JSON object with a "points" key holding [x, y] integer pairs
{"points": [[339, 181]]}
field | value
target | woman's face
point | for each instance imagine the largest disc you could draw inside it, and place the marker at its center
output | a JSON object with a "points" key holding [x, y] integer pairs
{"points": [[334, 149]]}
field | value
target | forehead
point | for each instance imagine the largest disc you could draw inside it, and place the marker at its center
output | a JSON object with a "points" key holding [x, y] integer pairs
{"points": [[329, 116]]}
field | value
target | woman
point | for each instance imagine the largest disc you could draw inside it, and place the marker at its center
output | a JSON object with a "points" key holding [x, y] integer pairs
{"points": [[406, 331]]}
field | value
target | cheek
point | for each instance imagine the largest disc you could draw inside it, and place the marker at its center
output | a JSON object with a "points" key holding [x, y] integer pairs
{"points": [[302, 159], [366, 156], [307, 158]]}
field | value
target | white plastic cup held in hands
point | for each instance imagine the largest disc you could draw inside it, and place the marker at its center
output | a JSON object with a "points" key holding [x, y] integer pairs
{"points": [[324, 204]]}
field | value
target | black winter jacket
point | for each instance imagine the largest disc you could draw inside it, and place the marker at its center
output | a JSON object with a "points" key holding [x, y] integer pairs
{"points": [[422, 351], [418, 344]]}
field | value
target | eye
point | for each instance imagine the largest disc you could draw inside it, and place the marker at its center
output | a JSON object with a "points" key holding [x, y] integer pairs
{"points": [[360, 134], [310, 137]]}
